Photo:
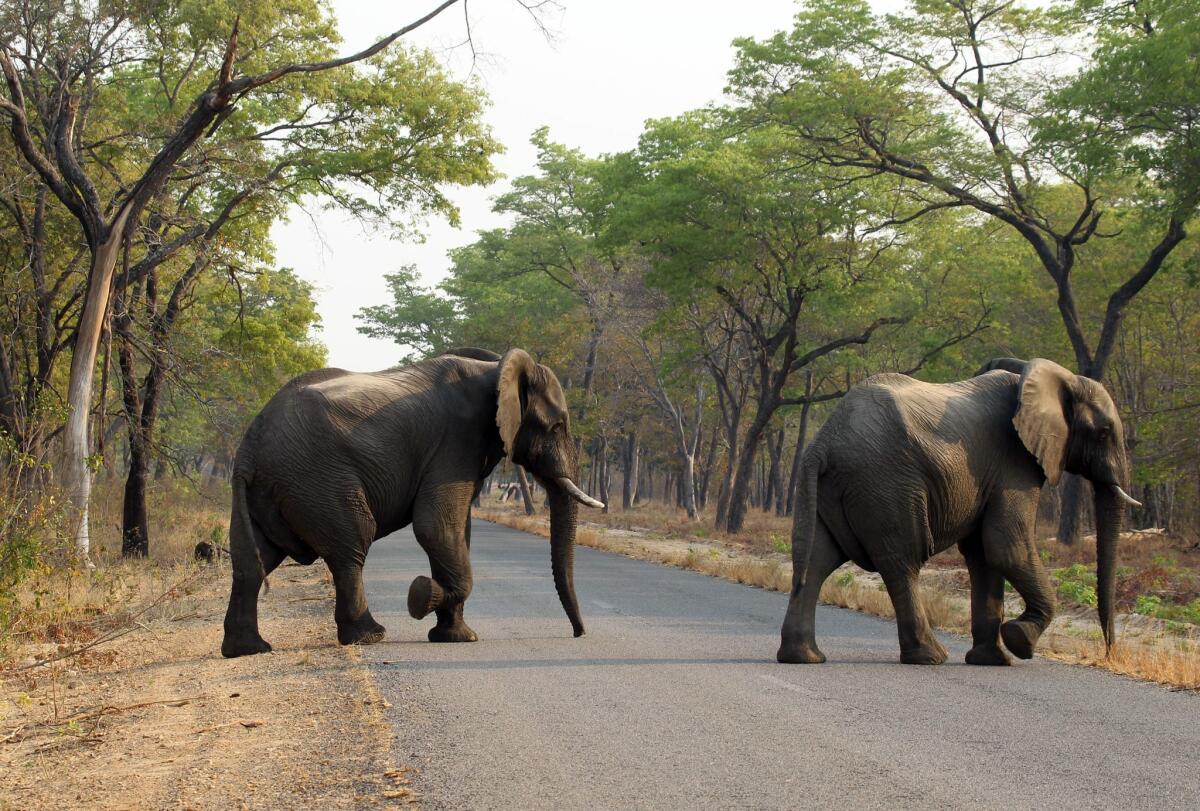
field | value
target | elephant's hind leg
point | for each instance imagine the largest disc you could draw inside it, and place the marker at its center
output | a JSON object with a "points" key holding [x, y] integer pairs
{"points": [[799, 643], [354, 532], [441, 524], [355, 625], [987, 607], [918, 645], [241, 618]]}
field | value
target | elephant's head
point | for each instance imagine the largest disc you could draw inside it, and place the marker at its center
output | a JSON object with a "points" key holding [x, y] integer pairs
{"points": [[535, 428], [1070, 423]]}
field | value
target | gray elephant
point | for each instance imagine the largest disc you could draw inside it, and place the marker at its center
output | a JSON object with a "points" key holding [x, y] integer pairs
{"points": [[904, 469], [338, 459]]}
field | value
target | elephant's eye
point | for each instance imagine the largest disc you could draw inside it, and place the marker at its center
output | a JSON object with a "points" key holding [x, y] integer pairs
{"points": [[1104, 433]]}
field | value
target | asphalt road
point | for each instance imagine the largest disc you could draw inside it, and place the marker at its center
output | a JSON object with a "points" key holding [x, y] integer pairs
{"points": [[673, 700]]}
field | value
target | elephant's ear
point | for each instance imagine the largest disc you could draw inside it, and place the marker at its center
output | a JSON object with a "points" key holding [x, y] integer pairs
{"points": [[516, 368], [1043, 414]]}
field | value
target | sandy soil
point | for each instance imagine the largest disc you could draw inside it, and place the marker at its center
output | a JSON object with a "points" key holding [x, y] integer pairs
{"points": [[157, 719]]}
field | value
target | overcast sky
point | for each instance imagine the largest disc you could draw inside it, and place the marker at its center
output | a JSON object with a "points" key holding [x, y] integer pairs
{"points": [[611, 65]]}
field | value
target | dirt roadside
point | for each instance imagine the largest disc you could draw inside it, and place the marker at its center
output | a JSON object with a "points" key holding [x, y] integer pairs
{"points": [[157, 719]]}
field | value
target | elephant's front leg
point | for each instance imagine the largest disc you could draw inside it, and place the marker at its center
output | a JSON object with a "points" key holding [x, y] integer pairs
{"points": [[987, 608], [448, 589], [355, 625], [1029, 579], [1009, 548], [918, 645]]}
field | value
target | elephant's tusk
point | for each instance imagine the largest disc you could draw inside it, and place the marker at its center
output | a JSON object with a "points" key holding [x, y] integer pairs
{"points": [[577, 494], [1130, 500]]}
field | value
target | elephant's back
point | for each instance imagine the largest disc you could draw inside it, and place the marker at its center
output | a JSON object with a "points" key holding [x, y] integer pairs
{"points": [[943, 412]]}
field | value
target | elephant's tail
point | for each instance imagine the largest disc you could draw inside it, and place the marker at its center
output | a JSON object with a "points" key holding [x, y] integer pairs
{"points": [[805, 527], [243, 548]]}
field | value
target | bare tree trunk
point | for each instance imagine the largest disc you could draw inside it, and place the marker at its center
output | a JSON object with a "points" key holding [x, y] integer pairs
{"points": [[794, 479], [77, 474], [743, 481], [629, 464], [780, 490], [706, 475], [525, 494], [602, 464]]}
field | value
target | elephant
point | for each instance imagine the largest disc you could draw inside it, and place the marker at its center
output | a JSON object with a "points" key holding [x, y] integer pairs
{"points": [[904, 469], [338, 459]]}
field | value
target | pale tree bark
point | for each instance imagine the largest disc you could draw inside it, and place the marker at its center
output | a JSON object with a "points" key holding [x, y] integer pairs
{"points": [[629, 464]]}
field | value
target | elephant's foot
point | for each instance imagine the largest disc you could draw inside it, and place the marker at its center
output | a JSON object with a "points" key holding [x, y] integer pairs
{"points": [[452, 633], [424, 595], [988, 654], [931, 653], [364, 631], [243, 644], [799, 654], [1020, 637]]}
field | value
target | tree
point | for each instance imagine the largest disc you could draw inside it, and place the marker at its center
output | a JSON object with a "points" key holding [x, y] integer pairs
{"points": [[56, 68], [779, 247]]}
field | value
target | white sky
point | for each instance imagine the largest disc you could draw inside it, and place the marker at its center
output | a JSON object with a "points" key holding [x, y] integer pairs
{"points": [[612, 64]]}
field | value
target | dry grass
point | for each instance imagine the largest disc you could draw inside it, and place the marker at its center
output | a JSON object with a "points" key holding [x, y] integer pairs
{"points": [[752, 562], [1175, 666], [62, 603]]}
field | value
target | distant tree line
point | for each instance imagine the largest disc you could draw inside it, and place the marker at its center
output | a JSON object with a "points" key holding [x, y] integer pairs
{"points": [[915, 192]]}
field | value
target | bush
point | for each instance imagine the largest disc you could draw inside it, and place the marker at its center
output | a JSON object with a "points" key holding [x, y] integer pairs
{"points": [[1076, 585]]}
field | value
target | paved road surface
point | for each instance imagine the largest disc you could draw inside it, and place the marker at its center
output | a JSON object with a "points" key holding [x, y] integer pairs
{"points": [[673, 700]]}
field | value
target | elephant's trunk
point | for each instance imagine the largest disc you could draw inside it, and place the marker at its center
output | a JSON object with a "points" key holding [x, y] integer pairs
{"points": [[563, 513], [1110, 509]]}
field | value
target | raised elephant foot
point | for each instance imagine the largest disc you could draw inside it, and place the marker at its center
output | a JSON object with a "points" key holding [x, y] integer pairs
{"points": [[424, 595], [801, 654], [452, 633], [987, 655], [243, 644], [1020, 637], [365, 631], [932, 653]]}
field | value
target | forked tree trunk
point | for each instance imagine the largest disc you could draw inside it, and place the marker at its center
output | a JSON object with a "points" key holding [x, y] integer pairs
{"points": [[743, 479], [77, 476]]}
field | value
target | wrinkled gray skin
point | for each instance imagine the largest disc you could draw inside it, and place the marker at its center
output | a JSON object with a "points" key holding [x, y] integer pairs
{"points": [[904, 469], [338, 459]]}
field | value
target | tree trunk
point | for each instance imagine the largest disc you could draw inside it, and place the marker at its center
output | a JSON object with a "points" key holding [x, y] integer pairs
{"points": [[794, 479], [629, 464], [744, 475], [77, 476], [706, 475], [525, 494], [775, 497], [687, 483], [602, 464], [1072, 518]]}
